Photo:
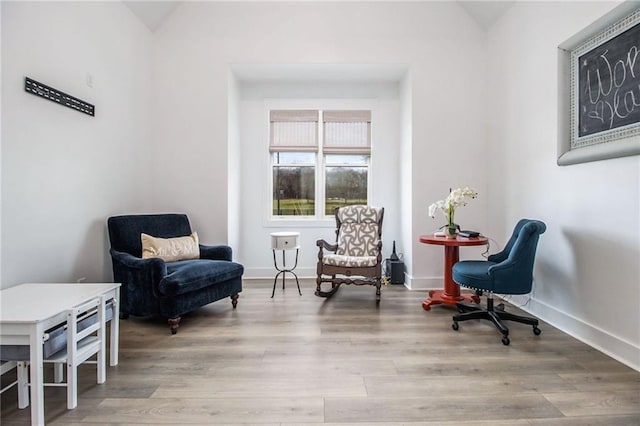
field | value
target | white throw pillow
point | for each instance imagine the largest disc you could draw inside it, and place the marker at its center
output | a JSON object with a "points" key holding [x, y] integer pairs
{"points": [[170, 249]]}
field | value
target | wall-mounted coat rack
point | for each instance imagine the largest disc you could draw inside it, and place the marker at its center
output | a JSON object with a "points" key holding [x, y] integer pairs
{"points": [[58, 96]]}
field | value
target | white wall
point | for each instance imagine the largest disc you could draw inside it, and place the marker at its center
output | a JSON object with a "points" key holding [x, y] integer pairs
{"points": [[64, 172], [200, 41], [235, 163], [0, 153], [587, 277], [406, 172]]}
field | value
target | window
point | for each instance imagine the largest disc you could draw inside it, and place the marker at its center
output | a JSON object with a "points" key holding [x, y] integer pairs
{"points": [[319, 161], [346, 178], [294, 183]]}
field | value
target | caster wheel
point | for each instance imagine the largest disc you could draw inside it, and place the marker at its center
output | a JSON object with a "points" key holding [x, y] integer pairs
{"points": [[506, 341], [536, 331], [455, 326]]}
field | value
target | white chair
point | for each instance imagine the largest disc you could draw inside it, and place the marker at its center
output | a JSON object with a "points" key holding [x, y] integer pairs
{"points": [[85, 331], [23, 395]]}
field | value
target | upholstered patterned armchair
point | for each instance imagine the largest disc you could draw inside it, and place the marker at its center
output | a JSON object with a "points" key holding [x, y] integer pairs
{"points": [[172, 287], [356, 257]]}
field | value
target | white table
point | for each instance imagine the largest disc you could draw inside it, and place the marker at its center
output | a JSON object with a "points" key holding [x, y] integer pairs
{"points": [[27, 310], [285, 241]]}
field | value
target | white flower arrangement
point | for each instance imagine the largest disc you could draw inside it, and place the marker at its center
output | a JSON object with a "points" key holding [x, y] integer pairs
{"points": [[457, 198]]}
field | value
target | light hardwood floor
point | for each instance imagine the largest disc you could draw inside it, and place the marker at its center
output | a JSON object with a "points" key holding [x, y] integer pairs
{"points": [[306, 360]]}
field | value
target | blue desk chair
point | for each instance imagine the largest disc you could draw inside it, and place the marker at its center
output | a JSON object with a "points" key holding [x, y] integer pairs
{"points": [[507, 272]]}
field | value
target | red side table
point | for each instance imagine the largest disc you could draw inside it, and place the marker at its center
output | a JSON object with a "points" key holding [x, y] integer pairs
{"points": [[451, 293]]}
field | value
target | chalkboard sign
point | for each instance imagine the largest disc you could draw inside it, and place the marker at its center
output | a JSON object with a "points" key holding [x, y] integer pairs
{"points": [[599, 88], [609, 84]]}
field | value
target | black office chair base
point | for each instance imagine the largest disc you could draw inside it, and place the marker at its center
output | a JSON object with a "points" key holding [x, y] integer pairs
{"points": [[497, 315]]}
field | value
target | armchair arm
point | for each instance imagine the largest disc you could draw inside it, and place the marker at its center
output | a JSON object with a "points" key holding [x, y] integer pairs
{"points": [[218, 252], [139, 279], [129, 261], [322, 244]]}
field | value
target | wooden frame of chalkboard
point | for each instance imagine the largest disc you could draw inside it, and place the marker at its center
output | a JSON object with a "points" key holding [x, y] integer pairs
{"points": [[599, 89]]}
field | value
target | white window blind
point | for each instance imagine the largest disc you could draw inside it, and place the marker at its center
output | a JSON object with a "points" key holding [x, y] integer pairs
{"points": [[293, 130], [347, 132]]}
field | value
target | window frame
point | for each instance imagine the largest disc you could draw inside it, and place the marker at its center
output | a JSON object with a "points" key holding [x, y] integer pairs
{"points": [[319, 218]]}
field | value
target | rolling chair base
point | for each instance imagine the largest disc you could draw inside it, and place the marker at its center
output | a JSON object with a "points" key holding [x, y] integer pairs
{"points": [[497, 315]]}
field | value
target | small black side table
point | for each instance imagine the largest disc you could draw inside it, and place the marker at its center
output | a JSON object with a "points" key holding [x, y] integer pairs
{"points": [[284, 241]]}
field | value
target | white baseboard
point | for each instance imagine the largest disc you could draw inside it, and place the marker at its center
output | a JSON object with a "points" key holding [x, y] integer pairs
{"points": [[429, 283], [616, 347]]}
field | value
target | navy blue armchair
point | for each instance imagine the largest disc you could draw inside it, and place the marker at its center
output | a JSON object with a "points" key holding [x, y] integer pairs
{"points": [[168, 289], [507, 272]]}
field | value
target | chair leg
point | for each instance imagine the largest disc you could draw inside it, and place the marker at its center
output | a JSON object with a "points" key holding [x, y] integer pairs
{"points": [[334, 288], [23, 384], [174, 323], [486, 315], [477, 314], [462, 307], [101, 356], [499, 325], [517, 318], [234, 300], [101, 373], [72, 386], [523, 320], [378, 285]]}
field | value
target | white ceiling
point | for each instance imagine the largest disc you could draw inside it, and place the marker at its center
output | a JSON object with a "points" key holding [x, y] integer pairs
{"points": [[486, 13], [153, 13]]}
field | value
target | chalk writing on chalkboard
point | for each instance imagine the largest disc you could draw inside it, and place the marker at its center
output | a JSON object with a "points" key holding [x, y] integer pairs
{"points": [[609, 84]]}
